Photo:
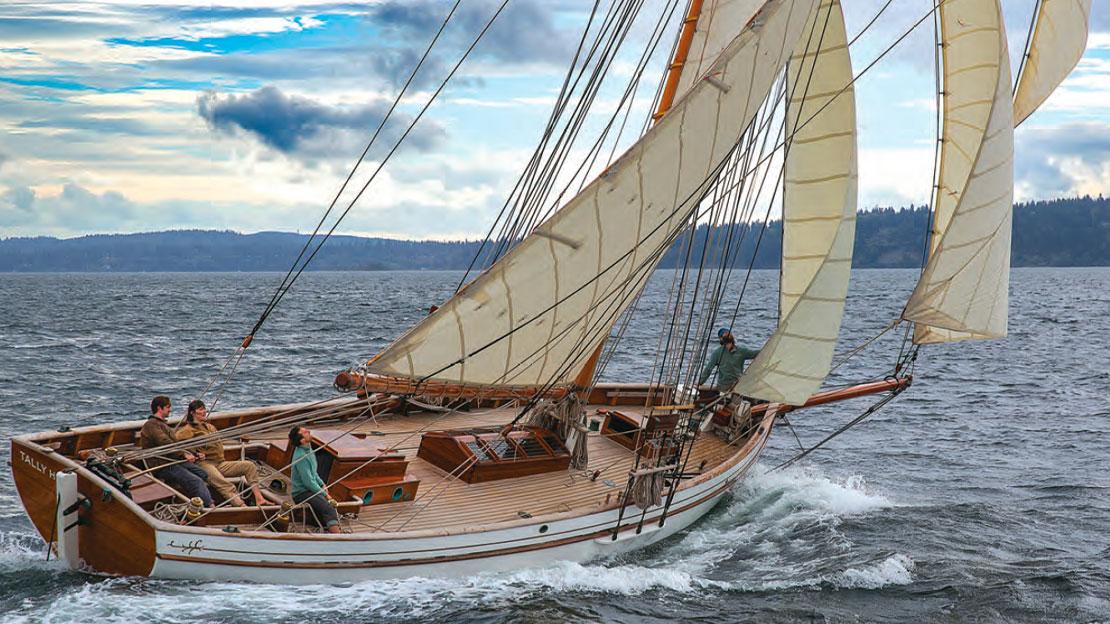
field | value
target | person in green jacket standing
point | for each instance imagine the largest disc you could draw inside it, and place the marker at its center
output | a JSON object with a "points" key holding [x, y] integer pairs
{"points": [[308, 487], [728, 359]]}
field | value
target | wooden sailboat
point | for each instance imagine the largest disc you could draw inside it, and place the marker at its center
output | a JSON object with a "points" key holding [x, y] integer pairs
{"points": [[479, 441]]}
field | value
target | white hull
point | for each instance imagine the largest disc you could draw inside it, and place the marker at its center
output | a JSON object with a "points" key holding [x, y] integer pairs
{"points": [[311, 559]]}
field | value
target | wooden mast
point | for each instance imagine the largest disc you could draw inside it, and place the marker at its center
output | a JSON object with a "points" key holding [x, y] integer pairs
{"points": [[666, 99]]}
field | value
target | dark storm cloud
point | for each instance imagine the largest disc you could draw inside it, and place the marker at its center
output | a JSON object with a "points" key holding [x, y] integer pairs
{"points": [[293, 124]]}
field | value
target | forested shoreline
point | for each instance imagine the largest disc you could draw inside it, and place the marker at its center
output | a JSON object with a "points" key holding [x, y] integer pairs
{"points": [[1060, 232]]}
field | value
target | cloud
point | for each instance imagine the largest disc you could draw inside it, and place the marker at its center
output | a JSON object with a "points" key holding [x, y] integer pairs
{"points": [[74, 208], [524, 32], [15, 205], [1073, 159], [294, 124]]}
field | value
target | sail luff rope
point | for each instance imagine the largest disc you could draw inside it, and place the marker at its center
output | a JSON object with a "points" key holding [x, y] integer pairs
{"points": [[1026, 49]]}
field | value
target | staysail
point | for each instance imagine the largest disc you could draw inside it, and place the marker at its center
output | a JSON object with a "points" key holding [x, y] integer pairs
{"points": [[819, 215], [1058, 42], [963, 292], [538, 313]]}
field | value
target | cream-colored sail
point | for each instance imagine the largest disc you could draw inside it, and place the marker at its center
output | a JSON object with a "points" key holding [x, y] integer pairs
{"points": [[963, 292], [537, 314], [716, 27], [819, 216], [1059, 39]]}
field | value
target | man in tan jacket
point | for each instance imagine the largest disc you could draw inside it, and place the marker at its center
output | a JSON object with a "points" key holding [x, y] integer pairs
{"points": [[212, 458]]}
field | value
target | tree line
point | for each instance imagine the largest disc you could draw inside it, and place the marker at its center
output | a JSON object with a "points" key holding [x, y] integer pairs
{"points": [[1059, 232]]}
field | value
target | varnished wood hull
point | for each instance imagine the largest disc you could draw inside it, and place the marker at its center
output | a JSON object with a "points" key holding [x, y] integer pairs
{"points": [[117, 537]]}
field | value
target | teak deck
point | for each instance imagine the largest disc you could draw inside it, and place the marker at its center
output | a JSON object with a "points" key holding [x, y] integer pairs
{"points": [[443, 501]]}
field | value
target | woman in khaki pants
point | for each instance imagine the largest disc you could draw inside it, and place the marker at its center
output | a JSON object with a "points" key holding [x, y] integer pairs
{"points": [[212, 458]]}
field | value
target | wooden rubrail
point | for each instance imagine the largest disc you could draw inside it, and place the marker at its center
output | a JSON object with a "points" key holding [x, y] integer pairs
{"points": [[478, 455]]}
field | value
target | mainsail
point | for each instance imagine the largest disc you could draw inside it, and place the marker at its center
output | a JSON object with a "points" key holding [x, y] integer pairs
{"points": [[963, 292], [1057, 45], [819, 215], [537, 314]]}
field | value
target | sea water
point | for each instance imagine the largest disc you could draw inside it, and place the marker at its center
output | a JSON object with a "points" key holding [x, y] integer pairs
{"points": [[982, 493]]}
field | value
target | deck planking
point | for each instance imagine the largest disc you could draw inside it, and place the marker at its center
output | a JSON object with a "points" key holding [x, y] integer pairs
{"points": [[445, 502]]}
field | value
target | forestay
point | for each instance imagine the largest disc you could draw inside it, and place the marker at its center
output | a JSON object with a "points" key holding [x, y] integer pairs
{"points": [[1058, 43], [819, 216], [537, 314], [963, 292]]}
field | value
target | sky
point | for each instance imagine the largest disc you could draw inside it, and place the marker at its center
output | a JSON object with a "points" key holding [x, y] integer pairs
{"points": [[130, 116]]}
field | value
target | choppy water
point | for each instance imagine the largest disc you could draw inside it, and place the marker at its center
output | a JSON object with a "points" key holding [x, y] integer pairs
{"points": [[983, 493]]}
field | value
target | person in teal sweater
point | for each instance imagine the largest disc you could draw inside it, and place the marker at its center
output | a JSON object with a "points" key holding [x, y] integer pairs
{"points": [[308, 487], [728, 359]]}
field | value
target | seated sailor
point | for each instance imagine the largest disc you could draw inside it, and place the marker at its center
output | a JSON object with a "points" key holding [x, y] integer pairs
{"points": [[211, 458], [308, 487], [178, 467]]}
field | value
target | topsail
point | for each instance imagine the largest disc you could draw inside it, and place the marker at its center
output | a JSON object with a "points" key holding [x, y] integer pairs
{"points": [[1058, 43], [538, 313], [963, 292]]}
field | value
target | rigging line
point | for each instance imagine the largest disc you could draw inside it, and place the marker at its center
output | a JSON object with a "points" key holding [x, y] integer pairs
{"points": [[552, 120], [395, 147], [657, 36], [871, 23], [529, 177], [361, 158], [789, 425], [861, 74], [1027, 48], [615, 22], [544, 187], [855, 421], [934, 191], [528, 223], [788, 139], [864, 345]]}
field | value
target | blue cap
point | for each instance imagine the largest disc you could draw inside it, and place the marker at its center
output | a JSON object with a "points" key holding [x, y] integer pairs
{"points": [[722, 331]]}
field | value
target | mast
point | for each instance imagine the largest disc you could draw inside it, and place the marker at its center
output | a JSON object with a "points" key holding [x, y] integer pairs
{"points": [[670, 89], [682, 52]]}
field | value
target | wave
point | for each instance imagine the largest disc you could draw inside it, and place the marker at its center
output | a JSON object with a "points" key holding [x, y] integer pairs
{"points": [[776, 531]]}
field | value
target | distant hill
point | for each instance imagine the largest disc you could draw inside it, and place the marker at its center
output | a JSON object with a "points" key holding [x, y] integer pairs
{"points": [[1061, 232]]}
